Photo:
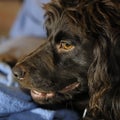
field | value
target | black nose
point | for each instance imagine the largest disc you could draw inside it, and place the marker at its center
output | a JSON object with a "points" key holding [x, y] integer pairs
{"points": [[19, 72]]}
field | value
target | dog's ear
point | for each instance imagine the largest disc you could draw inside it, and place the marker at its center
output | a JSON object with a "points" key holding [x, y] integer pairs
{"points": [[116, 37], [103, 76], [70, 3]]}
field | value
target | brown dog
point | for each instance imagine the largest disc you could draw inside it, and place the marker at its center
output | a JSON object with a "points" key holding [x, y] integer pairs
{"points": [[81, 54]]}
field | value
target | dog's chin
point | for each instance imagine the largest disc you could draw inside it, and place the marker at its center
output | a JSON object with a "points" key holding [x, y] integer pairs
{"points": [[43, 97]]}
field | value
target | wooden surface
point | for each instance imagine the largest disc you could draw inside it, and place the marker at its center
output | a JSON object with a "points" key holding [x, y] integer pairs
{"points": [[8, 12]]}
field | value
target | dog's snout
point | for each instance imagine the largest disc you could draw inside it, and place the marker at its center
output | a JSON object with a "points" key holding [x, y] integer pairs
{"points": [[19, 72]]}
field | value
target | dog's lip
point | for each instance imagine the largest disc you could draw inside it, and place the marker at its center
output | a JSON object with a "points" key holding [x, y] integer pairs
{"points": [[41, 95], [37, 95], [70, 87]]}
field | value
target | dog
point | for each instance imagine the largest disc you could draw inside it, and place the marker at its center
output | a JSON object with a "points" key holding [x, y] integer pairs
{"points": [[79, 63]]}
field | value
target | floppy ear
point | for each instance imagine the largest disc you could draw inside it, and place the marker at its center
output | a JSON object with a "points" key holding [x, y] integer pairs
{"points": [[104, 78], [115, 87]]}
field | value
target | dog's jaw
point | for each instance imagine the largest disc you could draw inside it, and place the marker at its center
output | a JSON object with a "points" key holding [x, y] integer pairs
{"points": [[40, 96]]}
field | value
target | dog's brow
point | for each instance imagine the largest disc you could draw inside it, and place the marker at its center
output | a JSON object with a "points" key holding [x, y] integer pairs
{"points": [[65, 35]]}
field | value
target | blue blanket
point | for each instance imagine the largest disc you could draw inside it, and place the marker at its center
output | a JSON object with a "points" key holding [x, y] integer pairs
{"points": [[17, 105]]}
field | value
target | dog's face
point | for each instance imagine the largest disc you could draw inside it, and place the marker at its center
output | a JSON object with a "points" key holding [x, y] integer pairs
{"points": [[57, 71]]}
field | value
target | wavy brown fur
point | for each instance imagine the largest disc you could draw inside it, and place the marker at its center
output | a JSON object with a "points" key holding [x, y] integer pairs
{"points": [[99, 21], [93, 28]]}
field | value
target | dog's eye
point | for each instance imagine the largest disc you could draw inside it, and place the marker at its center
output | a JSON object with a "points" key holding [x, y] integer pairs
{"points": [[65, 45]]}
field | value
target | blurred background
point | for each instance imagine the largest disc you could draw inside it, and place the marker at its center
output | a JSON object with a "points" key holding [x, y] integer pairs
{"points": [[8, 12]]}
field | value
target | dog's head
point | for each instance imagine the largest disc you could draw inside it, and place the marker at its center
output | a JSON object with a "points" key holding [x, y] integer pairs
{"points": [[81, 35]]}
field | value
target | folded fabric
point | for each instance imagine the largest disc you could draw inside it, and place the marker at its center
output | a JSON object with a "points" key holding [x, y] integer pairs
{"points": [[17, 105]]}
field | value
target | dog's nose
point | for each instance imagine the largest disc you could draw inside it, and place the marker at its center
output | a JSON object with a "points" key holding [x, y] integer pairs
{"points": [[19, 72]]}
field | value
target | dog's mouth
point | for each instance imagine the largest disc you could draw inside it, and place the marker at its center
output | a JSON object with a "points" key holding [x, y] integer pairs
{"points": [[42, 95]]}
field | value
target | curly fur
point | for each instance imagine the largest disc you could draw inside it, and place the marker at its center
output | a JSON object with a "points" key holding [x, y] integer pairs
{"points": [[94, 25], [99, 20]]}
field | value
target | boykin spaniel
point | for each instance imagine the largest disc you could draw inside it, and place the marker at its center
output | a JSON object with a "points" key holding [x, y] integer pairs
{"points": [[79, 64]]}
